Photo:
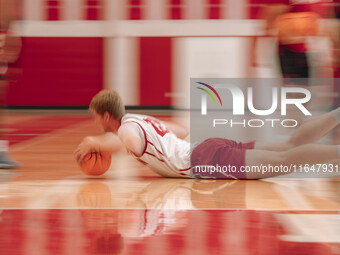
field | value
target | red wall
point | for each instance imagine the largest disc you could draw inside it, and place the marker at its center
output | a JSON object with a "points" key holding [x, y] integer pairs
{"points": [[155, 70], [58, 71]]}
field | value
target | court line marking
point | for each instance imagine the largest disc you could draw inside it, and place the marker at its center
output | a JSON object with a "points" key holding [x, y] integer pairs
{"points": [[307, 228], [49, 136], [53, 194], [299, 226]]}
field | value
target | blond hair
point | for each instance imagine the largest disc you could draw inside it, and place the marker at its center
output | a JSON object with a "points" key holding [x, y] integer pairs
{"points": [[108, 101]]}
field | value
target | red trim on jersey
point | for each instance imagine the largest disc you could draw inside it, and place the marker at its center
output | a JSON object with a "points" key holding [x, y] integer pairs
{"points": [[154, 156], [146, 140], [185, 169], [155, 148], [144, 151]]}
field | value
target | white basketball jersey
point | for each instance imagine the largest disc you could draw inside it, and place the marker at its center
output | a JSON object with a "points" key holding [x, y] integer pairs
{"points": [[164, 152]]}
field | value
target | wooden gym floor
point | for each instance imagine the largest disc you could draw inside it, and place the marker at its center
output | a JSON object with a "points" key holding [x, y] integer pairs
{"points": [[49, 207]]}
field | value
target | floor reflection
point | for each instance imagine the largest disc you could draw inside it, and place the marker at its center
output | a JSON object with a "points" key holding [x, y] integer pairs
{"points": [[166, 193], [144, 231]]}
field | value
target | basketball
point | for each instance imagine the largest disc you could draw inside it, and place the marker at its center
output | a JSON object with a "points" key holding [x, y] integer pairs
{"points": [[94, 195], [95, 163]]}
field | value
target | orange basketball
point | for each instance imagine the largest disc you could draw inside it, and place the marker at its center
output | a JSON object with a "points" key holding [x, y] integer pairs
{"points": [[95, 163]]}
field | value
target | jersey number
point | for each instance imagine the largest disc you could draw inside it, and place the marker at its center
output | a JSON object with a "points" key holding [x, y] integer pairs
{"points": [[160, 129]]}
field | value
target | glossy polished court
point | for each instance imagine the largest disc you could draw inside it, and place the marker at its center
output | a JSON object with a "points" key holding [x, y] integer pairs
{"points": [[50, 207]]}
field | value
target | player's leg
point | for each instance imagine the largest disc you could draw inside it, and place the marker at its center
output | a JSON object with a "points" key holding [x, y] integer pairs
{"points": [[304, 154], [309, 132]]}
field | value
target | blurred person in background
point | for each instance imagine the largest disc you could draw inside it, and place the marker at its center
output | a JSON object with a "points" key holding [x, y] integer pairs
{"points": [[293, 21], [335, 35], [10, 46]]}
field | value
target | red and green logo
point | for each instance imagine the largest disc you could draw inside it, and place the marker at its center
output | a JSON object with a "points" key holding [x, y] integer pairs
{"points": [[209, 93]]}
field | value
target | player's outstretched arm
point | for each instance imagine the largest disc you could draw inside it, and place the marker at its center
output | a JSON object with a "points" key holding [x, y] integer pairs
{"points": [[107, 142], [179, 130]]}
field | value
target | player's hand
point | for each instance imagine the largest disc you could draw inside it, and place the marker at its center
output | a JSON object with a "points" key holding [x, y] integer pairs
{"points": [[83, 148]]}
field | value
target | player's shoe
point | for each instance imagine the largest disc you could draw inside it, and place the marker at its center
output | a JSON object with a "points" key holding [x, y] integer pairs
{"points": [[6, 162]]}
